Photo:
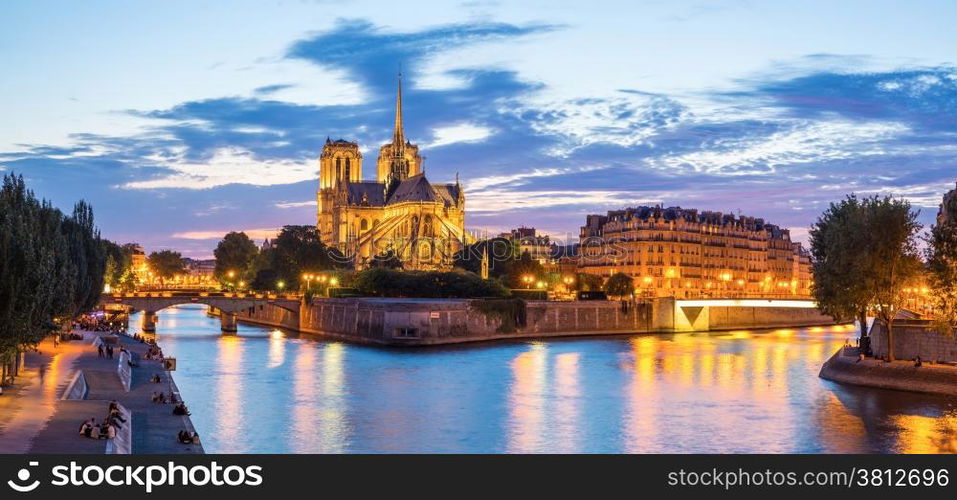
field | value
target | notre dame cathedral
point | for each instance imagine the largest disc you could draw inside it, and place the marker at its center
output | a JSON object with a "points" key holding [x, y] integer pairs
{"points": [[400, 212]]}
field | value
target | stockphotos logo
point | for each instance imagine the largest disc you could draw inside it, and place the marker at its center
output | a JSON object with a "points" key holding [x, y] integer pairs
{"points": [[147, 477], [23, 476]]}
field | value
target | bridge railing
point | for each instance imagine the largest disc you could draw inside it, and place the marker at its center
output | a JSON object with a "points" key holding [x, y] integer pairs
{"points": [[197, 294]]}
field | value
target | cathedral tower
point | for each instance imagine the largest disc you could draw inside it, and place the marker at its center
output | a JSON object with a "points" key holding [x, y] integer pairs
{"points": [[399, 159], [339, 165]]}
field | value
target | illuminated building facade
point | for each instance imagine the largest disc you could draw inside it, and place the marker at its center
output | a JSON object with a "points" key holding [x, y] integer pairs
{"points": [[676, 252], [527, 239], [422, 223]]}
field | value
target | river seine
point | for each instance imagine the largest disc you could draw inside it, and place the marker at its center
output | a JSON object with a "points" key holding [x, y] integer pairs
{"points": [[269, 391]]}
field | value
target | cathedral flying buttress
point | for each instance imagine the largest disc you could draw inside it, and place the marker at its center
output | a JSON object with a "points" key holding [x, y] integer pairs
{"points": [[422, 223]]}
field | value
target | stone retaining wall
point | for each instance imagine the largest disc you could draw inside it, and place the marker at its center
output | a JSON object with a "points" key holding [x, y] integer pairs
{"points": [[914, 338], [269, 316], [424, 322], [77, 387], [728, 318], [901, 375]]}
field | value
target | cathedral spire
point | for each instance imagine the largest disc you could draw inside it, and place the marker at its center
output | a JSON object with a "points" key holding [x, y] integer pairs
{"points": [[398, 138]]}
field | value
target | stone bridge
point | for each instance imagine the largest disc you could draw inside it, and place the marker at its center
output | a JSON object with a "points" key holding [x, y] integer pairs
{"points": [[228, 304]]}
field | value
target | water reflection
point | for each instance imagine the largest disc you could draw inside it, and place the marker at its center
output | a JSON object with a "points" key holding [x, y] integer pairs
{"points": [[265, 390]]}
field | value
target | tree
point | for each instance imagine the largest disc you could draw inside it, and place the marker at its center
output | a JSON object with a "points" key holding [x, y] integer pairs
{"points": [[942, 266], [585, 282], [298, 250], [501, 254], [517, 271], [892, 258], [51, 267], [235, 252], [166, 264], [864, 252], [387, 259], [620, 285], [837, 240], [384, 282]]}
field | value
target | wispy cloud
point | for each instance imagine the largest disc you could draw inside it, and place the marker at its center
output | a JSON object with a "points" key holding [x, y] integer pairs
{"points": [[228, 166], [256, 234]]}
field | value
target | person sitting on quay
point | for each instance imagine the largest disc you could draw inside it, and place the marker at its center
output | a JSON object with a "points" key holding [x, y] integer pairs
{"points": [[90, 429], [180, 409], [173, 399], [155, 378], [186, 437], [115, 412], [109, 433], [86, 427], [159, 397], [917, 362]]}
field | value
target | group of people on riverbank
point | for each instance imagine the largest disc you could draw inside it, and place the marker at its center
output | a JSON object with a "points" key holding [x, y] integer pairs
{"points": [[94, 323], [154, 352], [104, 351], [106, 429]]}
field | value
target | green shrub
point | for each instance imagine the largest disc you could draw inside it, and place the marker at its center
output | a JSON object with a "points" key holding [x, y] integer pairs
{"points": [[511, 313], [530, 294], [385, 282]]}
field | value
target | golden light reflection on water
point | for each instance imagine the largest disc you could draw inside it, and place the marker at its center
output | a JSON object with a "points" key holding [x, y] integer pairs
{"points": [[333, 431], [229, 394], [526, 400], [567, 431], [305, 403], [921, 434], [641, 418], [277, 349], [318, 406]]}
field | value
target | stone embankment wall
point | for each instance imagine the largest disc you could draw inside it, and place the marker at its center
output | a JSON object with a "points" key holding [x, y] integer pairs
{"points": [[900, 375], [914, 338], [425, 322], [270, 316], [731, 318], [445, 321]]}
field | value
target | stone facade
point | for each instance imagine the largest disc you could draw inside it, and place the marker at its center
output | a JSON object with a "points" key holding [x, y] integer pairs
{"points": [[399, 213], [683, 253]]}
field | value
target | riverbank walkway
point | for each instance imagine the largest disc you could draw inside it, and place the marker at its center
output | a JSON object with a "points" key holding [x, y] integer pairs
{"points": [[34, 417]]}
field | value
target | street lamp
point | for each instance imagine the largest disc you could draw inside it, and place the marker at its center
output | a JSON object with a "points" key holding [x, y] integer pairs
{"points": [[280, 285], [528, 279]]}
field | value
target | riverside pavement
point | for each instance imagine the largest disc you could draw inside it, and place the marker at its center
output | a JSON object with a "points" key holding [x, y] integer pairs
{"points": [[38, 421]]}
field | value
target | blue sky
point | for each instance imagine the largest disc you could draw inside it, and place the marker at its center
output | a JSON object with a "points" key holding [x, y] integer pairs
{"points": [[182, 120]]}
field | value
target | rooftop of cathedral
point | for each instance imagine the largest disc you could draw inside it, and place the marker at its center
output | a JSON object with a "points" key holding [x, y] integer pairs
{"points": [[414, 189]]}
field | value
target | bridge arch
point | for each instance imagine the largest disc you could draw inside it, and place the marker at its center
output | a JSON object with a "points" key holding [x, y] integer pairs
{"points": [[229, 305]]}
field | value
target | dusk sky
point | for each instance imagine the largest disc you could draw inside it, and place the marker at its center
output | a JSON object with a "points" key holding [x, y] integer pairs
{"points": [[183, 120]]}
